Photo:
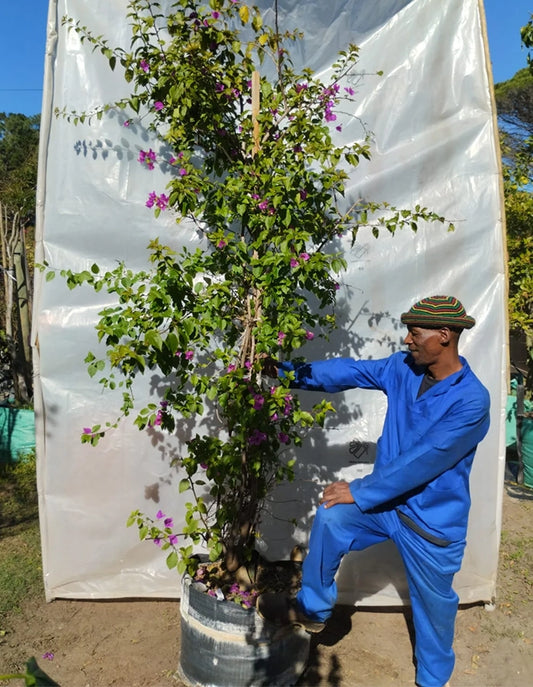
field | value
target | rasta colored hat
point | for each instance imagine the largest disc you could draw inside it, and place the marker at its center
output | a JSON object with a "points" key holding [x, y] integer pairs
{"points": [[438, 311]]}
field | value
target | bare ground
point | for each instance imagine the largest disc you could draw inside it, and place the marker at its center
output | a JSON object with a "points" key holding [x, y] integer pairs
{"points": [[136, 643]]}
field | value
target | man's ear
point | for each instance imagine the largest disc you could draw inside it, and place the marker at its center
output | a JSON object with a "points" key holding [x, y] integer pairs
{"points": [[445, 336]]}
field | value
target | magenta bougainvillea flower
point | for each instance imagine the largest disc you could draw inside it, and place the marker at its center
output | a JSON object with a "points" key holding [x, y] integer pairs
{"points": [[257, 437], [147, 157], [162, 202], [259, 401], [159, 201], [288, 405]]}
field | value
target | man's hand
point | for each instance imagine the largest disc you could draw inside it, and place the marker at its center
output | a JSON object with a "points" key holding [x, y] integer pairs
{"points": [[338, 492]]}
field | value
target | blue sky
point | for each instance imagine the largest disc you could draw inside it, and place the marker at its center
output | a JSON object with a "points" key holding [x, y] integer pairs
{"points": [[23, 38]]}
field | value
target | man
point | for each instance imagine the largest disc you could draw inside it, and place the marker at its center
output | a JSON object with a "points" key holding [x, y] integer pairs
{"points": [[418, 492]]}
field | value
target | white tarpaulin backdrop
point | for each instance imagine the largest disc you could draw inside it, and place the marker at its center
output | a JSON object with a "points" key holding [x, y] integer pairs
{"points": [[435, 144]]}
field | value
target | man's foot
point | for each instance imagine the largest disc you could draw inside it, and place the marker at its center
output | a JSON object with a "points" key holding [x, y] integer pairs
{"points": [[280, 609]]}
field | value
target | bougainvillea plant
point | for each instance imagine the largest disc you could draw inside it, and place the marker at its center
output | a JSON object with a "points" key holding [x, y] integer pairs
{"points": [[257, 169]]}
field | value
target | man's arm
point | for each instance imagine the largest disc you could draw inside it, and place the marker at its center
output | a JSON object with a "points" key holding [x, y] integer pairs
{"points": [[438, 450], [336, 374]]}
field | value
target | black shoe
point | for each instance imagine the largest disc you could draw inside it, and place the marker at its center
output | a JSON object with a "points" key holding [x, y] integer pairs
{"points": [[280, 609]]}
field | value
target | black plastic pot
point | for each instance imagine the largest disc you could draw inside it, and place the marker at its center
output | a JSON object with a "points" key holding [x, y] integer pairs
{"points": [[225, 645]]}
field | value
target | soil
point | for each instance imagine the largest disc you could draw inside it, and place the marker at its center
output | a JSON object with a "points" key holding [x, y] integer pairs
{"points": [[136, 643]]}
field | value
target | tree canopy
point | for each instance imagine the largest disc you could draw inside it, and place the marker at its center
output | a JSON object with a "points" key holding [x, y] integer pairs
{"points": [[19, 145], [514, 100]]}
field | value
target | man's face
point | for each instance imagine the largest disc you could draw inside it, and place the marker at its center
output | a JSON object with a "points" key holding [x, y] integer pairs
{"points": [[425, 345]]}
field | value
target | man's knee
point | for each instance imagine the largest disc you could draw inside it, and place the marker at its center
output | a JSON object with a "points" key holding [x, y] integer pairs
{"points": [[338, 517]]}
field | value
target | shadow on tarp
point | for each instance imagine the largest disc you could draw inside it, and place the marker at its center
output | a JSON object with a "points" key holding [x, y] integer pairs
{"points": [[17, 433]]}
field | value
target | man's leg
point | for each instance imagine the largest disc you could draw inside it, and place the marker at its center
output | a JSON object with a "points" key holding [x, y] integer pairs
{"points": [[430, 570], [335, 531]]}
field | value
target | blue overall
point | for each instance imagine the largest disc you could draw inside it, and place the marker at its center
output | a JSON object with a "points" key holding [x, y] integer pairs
{"points": [[417, 494]]}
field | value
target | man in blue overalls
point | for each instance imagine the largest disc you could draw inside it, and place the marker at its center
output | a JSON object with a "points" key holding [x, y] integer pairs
{"points": [[418, 492]]}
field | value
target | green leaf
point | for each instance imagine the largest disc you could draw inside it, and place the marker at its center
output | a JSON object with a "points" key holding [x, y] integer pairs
{"points": [[172, 342], [172, 560], [184, 485], [257, 22], [153, 338], [212, 392], [132, 519]]}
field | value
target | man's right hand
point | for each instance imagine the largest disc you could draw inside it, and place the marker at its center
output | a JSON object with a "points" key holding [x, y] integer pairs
{"points": [[338, 492]]}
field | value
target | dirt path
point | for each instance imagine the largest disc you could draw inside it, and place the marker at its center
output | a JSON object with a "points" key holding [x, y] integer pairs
{"points": [[136, 643]]}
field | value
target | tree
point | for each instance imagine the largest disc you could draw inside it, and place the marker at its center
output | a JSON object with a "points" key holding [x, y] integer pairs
{"points": [[514, 99], [254, 167], [19, 143], [526, 34], [519, 220]]}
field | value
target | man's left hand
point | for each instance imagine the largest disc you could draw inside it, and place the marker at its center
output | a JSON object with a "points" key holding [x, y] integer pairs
{"points": [[338, 492]]}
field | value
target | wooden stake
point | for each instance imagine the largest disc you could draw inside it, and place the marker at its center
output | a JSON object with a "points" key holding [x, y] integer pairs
{"points": [[256, 102]]}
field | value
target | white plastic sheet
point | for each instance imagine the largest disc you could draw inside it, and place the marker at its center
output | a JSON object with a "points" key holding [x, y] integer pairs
{"points": [[435, 144]]}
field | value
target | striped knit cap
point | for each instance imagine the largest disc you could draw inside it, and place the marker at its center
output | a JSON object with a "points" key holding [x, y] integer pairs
{"points": [[438, 311]]}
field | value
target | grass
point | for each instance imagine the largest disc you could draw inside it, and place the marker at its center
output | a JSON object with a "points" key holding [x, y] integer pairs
{"points": [[21, 575], [515, 581], [20, 548]]}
